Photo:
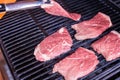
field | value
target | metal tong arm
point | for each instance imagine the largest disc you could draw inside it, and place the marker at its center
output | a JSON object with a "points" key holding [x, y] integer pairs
{"points": [[22, 5]]}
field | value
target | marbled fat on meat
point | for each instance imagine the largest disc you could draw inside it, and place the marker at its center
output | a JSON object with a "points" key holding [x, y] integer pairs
{"points": [[53, 45], [55, 9], [93, 27], [108, 46], [77, 65]]}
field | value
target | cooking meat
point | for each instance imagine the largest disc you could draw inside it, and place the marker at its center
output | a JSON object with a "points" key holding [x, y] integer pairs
{"points": [[56, 9], [54, 45], [77, 65], [93, 27], [108, 46]]}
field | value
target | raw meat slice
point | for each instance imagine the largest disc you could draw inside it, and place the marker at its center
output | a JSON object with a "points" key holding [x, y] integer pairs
{"points": [[54, 45], [77, 65], [56, 9], [93, 27], [108, 46]]}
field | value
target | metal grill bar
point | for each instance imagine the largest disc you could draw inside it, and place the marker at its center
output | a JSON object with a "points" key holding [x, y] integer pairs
{"points": [[116, 72], [107, 72], [116, 2]]}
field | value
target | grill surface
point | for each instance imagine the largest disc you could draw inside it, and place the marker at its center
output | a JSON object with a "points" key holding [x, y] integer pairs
{"points": [[21, 31], [116, 2]]}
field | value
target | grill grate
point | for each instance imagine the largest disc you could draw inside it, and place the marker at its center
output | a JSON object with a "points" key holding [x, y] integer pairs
{"points": [[21, 31], [116, 2]]}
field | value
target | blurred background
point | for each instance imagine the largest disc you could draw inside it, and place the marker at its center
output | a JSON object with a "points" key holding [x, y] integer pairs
{"points": [[4, 70]]}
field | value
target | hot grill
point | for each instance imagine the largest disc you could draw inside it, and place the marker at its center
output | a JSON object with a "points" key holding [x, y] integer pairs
{"points": [[116, 2], [21, 31]]}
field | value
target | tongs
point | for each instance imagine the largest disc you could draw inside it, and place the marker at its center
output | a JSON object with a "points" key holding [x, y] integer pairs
{"points": [[22, 5]]}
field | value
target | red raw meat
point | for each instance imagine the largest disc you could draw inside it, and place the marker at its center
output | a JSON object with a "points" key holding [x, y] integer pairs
{"points": [[77, 65], [108, 46], [56, 9], [93, 27], [54, 45]]}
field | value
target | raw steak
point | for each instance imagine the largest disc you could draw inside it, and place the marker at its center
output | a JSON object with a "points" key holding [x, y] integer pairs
{"points": [[108, 46], [77, 65], [54, 45], [56, 9], [93, 27]]}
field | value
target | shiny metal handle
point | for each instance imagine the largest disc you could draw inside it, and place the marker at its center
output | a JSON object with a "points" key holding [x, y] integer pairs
{"points": [[22, 5]]}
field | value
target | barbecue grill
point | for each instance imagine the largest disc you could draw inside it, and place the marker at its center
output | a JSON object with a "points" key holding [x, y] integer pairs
{"points": [[21, 31]]}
